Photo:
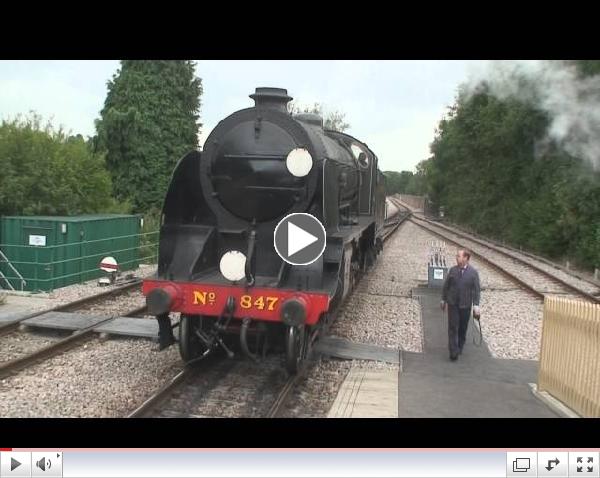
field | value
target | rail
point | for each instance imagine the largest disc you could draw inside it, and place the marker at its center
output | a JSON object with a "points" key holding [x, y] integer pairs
{"points": [[588, 276], [49, 351], [8, 327], [566, 285], [570, 354]]}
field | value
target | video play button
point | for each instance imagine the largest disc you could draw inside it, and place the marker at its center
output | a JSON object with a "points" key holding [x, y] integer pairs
{"points": [[299, 239], [15, 464]]}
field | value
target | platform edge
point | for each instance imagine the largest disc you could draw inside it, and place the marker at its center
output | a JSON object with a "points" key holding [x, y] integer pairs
{"points": [[552, 402]]}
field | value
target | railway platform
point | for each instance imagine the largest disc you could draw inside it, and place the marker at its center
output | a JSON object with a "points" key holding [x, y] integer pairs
{"points": [[429, 385], [476, 385]]}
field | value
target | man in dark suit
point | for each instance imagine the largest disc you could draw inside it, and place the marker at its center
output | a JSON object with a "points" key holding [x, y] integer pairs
{"points": [[461, 290]]}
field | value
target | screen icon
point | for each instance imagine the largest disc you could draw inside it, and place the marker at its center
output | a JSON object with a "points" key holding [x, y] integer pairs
{"points": [[584, 464], [523, 463], [553, 464]]}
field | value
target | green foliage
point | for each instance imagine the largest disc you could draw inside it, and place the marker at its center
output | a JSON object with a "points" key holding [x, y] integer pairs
{"points": [[334, 120], [45, 171], [150, 236], [494, 170], [406, 182], [588, 67], [149, 121]]}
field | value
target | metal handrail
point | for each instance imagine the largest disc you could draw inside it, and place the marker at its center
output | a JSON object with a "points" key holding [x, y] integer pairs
{"points": [[23, 281], [91, 256], [87, 271], [57, 246], [3, 277]]}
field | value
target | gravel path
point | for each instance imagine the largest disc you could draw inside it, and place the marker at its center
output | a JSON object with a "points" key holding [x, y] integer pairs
{"points": [[511, 322], [19, 344], [393, 322], [118, 305], [98, 379], [78, 291], [381, 311]]}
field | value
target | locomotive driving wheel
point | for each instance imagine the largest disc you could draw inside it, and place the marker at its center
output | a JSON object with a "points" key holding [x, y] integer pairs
{"points": [[296, 346], [191, 328]]}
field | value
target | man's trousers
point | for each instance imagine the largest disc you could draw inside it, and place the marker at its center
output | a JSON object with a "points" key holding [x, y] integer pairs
{"points": [[458, 322]]}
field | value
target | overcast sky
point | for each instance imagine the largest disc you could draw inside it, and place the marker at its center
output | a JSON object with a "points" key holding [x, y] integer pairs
{"points": [[393, 106]]}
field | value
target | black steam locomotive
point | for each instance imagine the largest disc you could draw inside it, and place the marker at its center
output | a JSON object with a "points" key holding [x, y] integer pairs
{"points": [[217, 263]]}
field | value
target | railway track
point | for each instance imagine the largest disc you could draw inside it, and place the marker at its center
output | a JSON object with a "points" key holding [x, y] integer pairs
{"points": [[552, 267], [77, 338], [195, 387], [531, 277], [73, 306]]}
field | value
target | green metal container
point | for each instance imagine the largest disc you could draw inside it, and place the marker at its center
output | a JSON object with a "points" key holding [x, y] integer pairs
{"points": [[55, 251]]}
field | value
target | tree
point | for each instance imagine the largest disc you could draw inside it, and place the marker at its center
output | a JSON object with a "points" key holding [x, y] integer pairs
{"points": [[406, 182], [149, 121], [45, 171], [333, 120], [397, 183], [495, 169]]}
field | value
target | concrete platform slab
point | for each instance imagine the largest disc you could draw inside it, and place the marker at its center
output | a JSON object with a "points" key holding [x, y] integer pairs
{"points": [[346, 349], [431, 396], [130, 326], [367, 394], [64, 321], [476, 385]]}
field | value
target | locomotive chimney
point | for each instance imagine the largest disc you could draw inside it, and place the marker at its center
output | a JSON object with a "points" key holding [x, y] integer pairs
{"points": [[271, 98]]}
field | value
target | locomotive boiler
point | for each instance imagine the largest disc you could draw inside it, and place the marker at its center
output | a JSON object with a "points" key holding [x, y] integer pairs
{"points": [[217, 262]]}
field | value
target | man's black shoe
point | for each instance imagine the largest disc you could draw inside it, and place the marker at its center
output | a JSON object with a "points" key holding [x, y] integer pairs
{"points": [[453, 357], [460, 351]]}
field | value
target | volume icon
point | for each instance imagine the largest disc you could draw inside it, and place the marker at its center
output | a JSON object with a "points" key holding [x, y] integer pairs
{"points": [[43, 463]]}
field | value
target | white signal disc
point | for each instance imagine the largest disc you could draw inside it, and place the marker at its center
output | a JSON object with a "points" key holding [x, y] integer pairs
{"points": [[299, 162], [109, 264], [233, 265]]}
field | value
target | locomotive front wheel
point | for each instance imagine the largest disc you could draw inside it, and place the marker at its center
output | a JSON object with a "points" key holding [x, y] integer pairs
{"points": [[295, 348], [190, 345]]}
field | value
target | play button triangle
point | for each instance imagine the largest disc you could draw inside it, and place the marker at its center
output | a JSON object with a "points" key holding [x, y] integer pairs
{"points": [[298, 239]]}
